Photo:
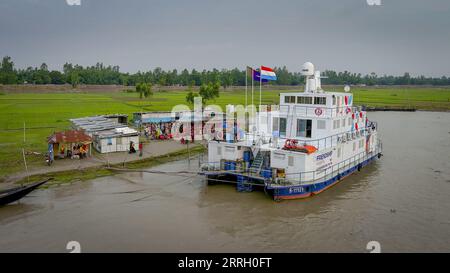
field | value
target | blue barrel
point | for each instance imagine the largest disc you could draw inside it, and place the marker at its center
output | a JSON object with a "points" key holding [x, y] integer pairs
{"points": [[247, 156], [227, 165], [232, 166], [267, 173]]}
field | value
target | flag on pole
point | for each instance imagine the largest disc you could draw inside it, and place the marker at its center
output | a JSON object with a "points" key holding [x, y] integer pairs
{"points": [[268, 74], [257, 76]]}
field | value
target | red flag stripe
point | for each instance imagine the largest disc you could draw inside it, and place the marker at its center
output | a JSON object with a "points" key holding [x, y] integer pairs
{"points": [[267, 68]]}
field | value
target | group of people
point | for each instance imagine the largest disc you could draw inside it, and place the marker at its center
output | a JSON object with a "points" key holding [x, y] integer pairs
{"points": [[158, 131], [78, 151]]}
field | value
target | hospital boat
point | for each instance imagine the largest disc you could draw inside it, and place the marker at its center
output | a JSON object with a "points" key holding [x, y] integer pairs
{"points": [[299, 148]]}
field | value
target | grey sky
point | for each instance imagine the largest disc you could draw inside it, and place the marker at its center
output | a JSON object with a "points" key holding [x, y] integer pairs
{"points": [[399, 36]]}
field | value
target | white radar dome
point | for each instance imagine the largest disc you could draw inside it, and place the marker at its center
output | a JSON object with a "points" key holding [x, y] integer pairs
{"points": [[307, 69]]}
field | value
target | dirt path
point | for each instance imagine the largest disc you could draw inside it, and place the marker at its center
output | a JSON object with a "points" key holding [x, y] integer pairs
{"points": [[154, 148]]}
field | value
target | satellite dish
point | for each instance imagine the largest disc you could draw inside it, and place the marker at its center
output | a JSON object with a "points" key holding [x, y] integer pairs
{"points": [[347, 88]]}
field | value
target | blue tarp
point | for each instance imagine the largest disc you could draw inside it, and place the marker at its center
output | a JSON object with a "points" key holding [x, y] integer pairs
{"points": [[157, 120]]}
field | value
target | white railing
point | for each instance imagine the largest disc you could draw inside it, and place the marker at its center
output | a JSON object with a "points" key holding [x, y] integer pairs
{"points": [[318, 110], [318, 176]]}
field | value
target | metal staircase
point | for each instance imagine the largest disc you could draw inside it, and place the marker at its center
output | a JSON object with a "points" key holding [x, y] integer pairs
{"points": [[257, 164]]}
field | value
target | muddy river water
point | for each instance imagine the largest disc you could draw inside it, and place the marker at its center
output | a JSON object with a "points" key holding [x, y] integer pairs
{"points": [[402, 201]]}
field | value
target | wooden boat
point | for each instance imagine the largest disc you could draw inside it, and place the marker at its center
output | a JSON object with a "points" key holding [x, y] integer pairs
{"points": [[14, 194]]}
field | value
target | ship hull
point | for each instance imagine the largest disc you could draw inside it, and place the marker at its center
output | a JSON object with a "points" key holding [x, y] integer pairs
{"points": [[279, 193], [304, 191]]}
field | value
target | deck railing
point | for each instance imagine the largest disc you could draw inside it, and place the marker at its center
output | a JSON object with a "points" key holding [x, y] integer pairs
{"points": [[320, 144], [300, 178], [318, 110], [319, 176]]}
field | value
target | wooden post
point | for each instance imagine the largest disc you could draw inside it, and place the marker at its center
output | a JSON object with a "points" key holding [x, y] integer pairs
{"points": [[26, 167], [189, 153]]}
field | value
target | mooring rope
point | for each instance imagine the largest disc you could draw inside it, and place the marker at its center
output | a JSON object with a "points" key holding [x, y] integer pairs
{"points": [[182, 174]]}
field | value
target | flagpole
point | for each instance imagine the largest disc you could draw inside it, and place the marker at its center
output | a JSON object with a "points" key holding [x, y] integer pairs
{"points": [[260, 85], [252, 85], [246, 76]]}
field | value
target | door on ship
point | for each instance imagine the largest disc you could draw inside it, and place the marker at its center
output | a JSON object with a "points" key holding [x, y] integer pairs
{"points": [[282, 127]]}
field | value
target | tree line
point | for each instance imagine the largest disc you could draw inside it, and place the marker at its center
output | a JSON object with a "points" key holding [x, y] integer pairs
{"points": [[107, 75]]}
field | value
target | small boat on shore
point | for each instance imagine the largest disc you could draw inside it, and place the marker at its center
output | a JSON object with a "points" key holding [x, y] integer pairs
{"points": [[14, 194]]}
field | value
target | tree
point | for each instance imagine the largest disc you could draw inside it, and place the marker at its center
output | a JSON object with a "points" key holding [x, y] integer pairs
{"points": [[74, 79], [57, 77], [144, 89], [190, 97], [7, 73], [207, 92]]}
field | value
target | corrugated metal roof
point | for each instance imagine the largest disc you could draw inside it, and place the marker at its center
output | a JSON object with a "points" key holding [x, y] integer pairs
{"points": [[70, 136], [96, 123], [117, 132]]}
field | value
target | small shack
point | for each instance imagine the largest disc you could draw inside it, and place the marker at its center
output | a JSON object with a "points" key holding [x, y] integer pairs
{"points": [[71, 143], [116, 140]]}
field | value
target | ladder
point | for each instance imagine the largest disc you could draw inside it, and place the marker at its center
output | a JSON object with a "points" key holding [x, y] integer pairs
{"points": [[257, 163]]}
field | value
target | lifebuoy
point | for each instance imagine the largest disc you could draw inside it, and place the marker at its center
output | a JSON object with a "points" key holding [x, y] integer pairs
{"points": [[318, 111]]}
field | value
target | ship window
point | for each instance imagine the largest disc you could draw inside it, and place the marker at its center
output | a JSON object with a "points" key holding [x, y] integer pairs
{"points": [[282, 127], [334, 100], [289, 99], [343, 123], [290, 161], [219, 150], [354, 145], [361, 143], [321, 124], [339, 152], [304, 100], [320, 100], [304, 127]]}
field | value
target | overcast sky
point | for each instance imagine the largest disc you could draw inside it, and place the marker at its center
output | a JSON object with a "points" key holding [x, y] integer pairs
{"points": [[398, 36]]}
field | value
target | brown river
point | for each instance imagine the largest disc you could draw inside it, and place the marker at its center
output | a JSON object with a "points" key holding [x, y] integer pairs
{"points": [[401, 201]]}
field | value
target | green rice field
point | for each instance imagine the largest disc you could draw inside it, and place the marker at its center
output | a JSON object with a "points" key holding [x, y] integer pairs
{"points": [[45, 112]]}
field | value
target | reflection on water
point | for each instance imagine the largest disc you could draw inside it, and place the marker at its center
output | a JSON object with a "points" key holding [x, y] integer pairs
{"points": [[402, 201]]}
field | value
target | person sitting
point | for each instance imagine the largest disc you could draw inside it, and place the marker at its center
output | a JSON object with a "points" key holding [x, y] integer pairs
{"points": [[82, 152], [132, 149]]}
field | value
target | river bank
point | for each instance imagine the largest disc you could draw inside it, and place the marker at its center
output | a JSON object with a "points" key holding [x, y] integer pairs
{"points": [[67, 173]]}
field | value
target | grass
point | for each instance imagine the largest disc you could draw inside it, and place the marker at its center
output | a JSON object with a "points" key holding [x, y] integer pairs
{"points": [[46, 112]]}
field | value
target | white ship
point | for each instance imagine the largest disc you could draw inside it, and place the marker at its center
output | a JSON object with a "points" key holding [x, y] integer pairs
{"points": [[309, 142]]}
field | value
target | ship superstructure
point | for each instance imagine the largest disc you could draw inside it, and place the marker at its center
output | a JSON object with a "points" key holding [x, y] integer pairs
{"points": [[304, 145]]}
